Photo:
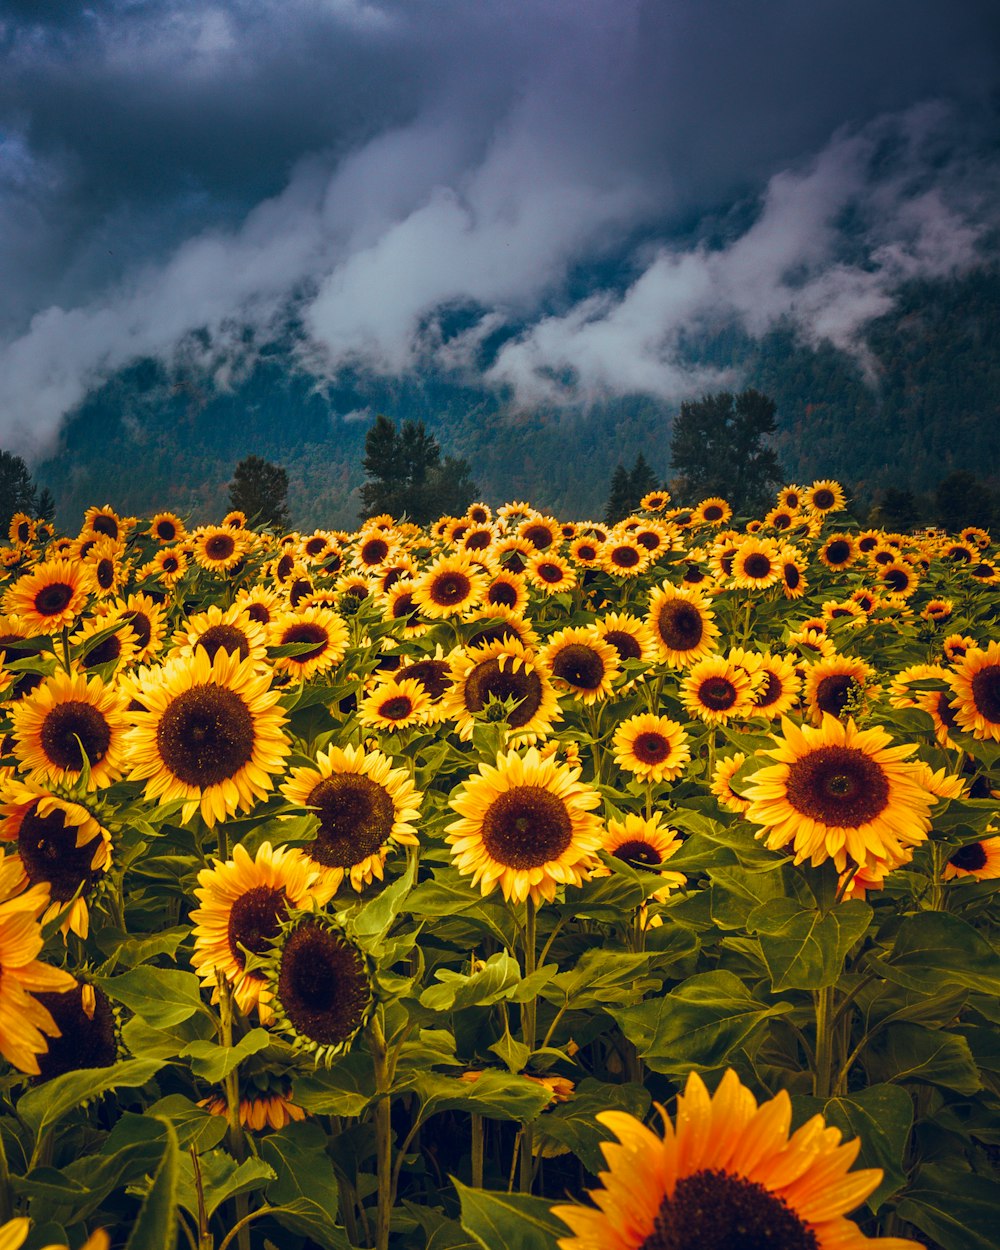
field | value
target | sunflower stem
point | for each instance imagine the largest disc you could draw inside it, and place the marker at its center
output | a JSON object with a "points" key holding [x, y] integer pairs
{"points": [[65, 643], [5, 1203], [235, 1137], [937, 883], [383, 1132], [477, 1151], [823, 1074], [528, 1023]]}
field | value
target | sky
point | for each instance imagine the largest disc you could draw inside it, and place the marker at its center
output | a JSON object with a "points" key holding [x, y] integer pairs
{"points": [[583, 186]]}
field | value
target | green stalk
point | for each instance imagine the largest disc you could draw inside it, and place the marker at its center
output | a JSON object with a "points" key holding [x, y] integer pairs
{"points": [[823, 1074], [383, 1133], [5, 1204], [234, 1135], [477, 1151], [529, 1015]]}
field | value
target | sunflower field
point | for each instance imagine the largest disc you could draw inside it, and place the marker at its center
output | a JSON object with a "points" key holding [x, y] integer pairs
{"points": [[508, 882]]}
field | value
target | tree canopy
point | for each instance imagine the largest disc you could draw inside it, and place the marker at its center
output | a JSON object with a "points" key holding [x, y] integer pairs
{"points": [[406, 475], [628, 488], [17, 491], [720, 447], [259, 489]]}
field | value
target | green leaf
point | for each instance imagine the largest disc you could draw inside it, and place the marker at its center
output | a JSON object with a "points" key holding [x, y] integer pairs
{"points": [[132, 951], [958, 1210], [195, 1127], [161, 996], [156, 1225], [142, 1039], [736, 892], [804, 950], [909, 1052], [512, 1052], [214, 1063], [490, 984], [221, 1179], [508, 1220], [499, 1095], [42, 1107], [696, 1026], [304, 1186], [574, 1123], [601, 977], [934, 950], [345, 1088]]}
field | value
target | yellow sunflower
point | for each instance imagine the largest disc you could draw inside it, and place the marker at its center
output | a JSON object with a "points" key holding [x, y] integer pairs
{"points": [[373, 551], [624, 557], [526, 825], [756, 564], [722, 783], [364, 807], [242, 903], [394, 704], [212, 735], [778, 689], [712, 511], [824, 496], [22, 529], [61, 848], [957, 645], [146, 618], [976, 685], [550, 573], [779, 518], [718, 690], [980, 860], [582, 663], [654, 501], [450, 586], [643, 842], [434, 674], [937, 610], [653, 748], [66, 720], [167, 528], [167, 566], [793, 573], [507, 590], [48, 597], [402, 608], [496, 673], [105, 567], [117, 648], [899, 578], [842, 793], [729, 1175], [682, 624], [261, 603], [839, 551], [259, 1111], [539, 531], [837, 683], [217, 547], [630, 636], [586, 551], [218, 629], [322, 629]]}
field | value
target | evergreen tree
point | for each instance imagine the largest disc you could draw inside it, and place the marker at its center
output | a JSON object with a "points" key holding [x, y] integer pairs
{"points": [[45, 508], [259, 489], [719, 448], [964, 500], [619, 497], [407, 477], [641, 481], [17, 491]]}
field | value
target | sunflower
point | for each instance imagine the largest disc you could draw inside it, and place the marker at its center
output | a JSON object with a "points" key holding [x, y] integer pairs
{"points": [[402, 608], [495, 673], [272, 1110], [117, 648], [712, 511], [167, 528], [641, 842], [322, 629], [373, 550], [717, 690], [779, 518], [582, 663], [242, 903], [654, 501], [836, 684], [511, 553], [103, 521], [957, 645], [66, 721], [630, 636], [507, 590], [838, 792], [61, 848], [653, 748], [976, 685], [899, 578], [539, 531], [217, 547], [550, 573], [167, 566], [654, 537], [839, 551], [980, 860], [394, 704], [824, 496], [145, 617], [810, 644], [235, 520], [364, 808], [320, 986], [901, 693], [477, 538], [48, 597], [434, 674], [211, 736], [985, 572], [846, 612], [105, 568], [500, 625], [624, 557], [778, 688], [756, 564], [525, 824], [937, 610], [450, 586], [793, 573], [682, 625], [22, 529], [722, 783], [728, 1177], [87, 1037], [229, 630], [261, 603]]}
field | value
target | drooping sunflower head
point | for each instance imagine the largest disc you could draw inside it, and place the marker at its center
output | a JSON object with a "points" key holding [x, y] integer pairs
{"points": [[49, 596], [504, 676], [319, 631], [718, 690], [582, 663], [682, 623], [976, 686], [526, 825], [88, 1036], [320, 984], [363, 807], [653, 748]]}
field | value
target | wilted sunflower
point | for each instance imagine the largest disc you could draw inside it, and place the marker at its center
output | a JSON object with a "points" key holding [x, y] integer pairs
{"points": [[493, 674], [23, 1019], [394, 704], [525, 825], [730, 1176], [837, 683], [840, 793], [976, 685], [267, 1110], [61, 847], [653, 748], [217, 547], [323, 630], [69, 721], [980, 860], [48, 597], [320, 986], [582, 663], [221, 629], [682, 624], [756, 564], [451, 586], [550, 573], [242, 903], [364, 807], [211, 736], [717, 690], [824, 496]]}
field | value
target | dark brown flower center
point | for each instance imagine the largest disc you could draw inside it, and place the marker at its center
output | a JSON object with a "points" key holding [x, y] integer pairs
{"points": [[449, 589], [624, 644], [824, 499], [792, 576], [105, 652], [374, 551], [50, 855], [502, 594], [945, 711], [680, 625], [717, 694], [550, 573], [142, 627], [259, 613], [86, 1041], [478, 540], [586, 551], [53, 599], [969, 858], [298, 590], [220, 547], [205, 735], [306, 631], [526, 827], [356, 816], [105, 525], [224, 638], [757, 566], [579, 665], [322, 985], [254, 920], [23, 532], [713, 1210], [625, 557], [105, 573], [713, 513], [433, 675], [71, 725], [638, 853], [540, 536], [835, 692], [838, 551], [166, 531], [397, 707], [838, 786], [986, 693], [488, 680], [170, 564], [896, 579], [651, 748]]}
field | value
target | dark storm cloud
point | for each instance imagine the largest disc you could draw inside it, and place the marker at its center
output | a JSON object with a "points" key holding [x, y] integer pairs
{"points": [[172, 164]]}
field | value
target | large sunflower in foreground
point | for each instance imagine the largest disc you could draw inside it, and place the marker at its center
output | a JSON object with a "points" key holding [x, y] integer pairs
{"points": [[66, 723], [364, 807], [48, 597], [976, 683], [682, 623], [242, 905], [729, 1176], [842, 793], [526, 825], [211, 736]]}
